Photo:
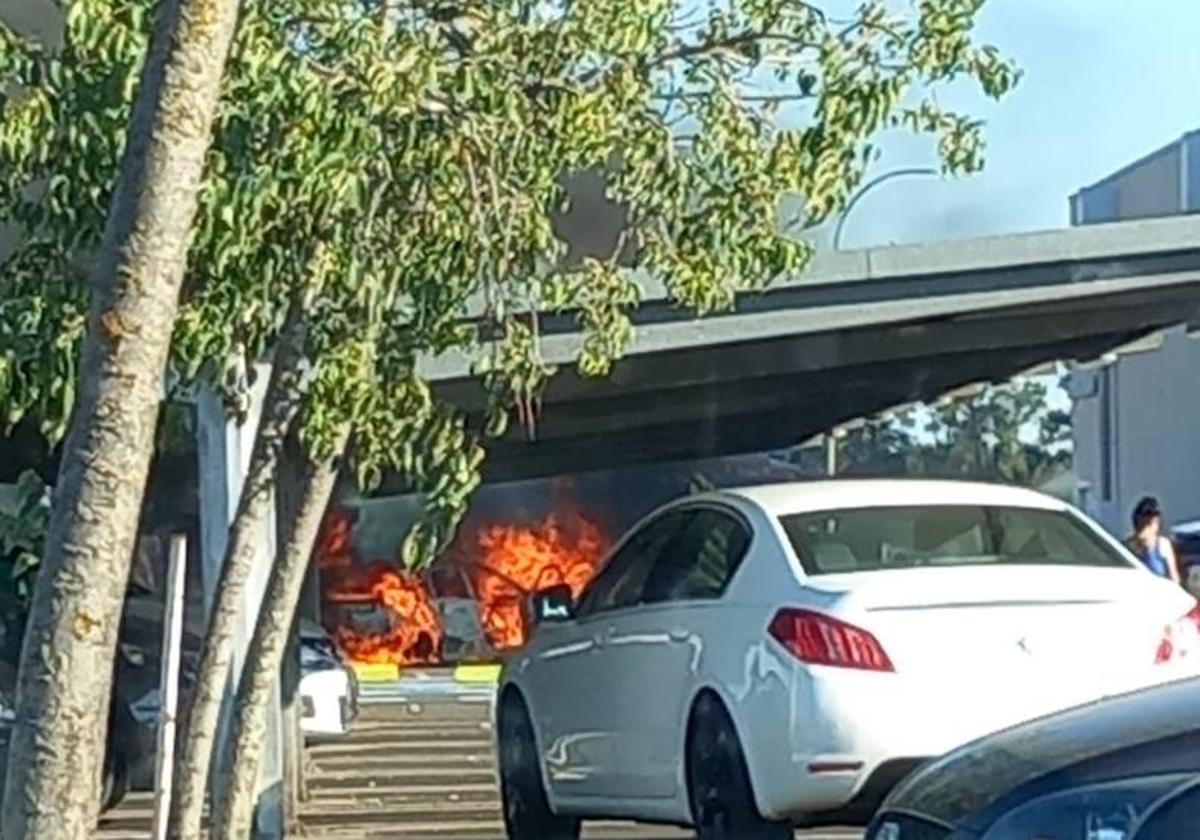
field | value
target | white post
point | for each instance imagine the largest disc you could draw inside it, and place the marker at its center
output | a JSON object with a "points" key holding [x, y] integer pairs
{"points": [[831, 453], [168, 686]]}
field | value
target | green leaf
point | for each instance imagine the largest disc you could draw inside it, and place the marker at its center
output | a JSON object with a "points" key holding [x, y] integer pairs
{"points": [[398, 181]]}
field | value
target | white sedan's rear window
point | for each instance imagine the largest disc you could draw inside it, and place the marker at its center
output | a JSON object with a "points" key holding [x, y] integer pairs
{"points": [[870, 539]]}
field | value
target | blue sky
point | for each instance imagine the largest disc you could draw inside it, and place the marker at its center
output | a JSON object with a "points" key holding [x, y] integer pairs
{"points": [[1106, 81]]}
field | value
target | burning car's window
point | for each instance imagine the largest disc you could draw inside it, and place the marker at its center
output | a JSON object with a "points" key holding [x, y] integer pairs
{"points": [[621, 582], [868, 539], [701, 561]]}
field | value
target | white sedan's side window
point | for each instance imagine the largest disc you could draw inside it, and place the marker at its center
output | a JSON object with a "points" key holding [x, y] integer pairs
{"points": [[701, 562], [623, 580]]}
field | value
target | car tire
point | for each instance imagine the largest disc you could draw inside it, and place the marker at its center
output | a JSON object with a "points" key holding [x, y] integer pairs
{"points": [[527, 812], [720, 793]]}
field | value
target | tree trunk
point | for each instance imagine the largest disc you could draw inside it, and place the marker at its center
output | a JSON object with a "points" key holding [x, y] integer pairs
{"points": [[289, 492], [280, 404], [293, 737], [234, 810], [57, 746]]}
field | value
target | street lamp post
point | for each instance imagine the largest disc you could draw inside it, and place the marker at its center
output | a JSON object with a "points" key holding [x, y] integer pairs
{"points": [[870, 185]]}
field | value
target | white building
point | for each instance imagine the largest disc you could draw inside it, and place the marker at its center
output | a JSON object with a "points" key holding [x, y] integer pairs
{"points": [[1136, 412]]}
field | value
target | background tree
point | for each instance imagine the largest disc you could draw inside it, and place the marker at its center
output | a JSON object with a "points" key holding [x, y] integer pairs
{"points": [[383, 171], [66, 665], [1004, 432], [23, 538]]}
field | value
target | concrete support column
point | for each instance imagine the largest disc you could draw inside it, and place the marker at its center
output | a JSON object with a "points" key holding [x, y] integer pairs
{"points": [[224, 448]]}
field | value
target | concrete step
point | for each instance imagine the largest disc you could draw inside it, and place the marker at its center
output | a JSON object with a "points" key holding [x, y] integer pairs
{"points": [[492, 829], [403, 765], [477, 790], [139, 832], [400, 803], [403, 746], [476, 735], [401, 815], [471, 831], [473, 732], [403, 727], [466, 777], [428, 708]]}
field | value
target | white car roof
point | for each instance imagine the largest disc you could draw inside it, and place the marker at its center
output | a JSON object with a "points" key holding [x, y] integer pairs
{"points": [[1192, 527], [808, 496]]}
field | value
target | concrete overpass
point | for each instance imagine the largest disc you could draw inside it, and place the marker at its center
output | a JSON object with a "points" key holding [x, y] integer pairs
{"points": [[859, 332]]}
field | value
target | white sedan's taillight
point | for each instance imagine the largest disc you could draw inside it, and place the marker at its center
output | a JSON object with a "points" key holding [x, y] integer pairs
{"points": [[819, 639], [1180, 639]]}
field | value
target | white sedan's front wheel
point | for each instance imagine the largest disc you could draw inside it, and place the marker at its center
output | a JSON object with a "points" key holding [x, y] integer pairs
{"points": [[719, 788], [527, 813]]}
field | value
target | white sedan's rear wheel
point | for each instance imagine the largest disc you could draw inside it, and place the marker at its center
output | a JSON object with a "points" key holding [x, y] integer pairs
{"points": [[527, 813], [719, 788]]}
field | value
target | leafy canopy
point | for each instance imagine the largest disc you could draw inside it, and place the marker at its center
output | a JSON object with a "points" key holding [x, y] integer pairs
{"points": [[390, 169], [1005, 432], [23, 523]]}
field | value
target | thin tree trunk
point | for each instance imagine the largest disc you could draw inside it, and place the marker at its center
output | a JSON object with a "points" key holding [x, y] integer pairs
{"points": [[57, 747], [280, 404], [289, 491], [234, 810], [293, 737]]}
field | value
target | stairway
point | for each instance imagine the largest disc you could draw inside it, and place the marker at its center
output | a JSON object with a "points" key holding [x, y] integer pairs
{"points": [[407, 769], [418, 768], [416, 764]]}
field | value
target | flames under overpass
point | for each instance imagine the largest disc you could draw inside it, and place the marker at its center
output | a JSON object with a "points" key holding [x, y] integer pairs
{"points": [[858, 333]]}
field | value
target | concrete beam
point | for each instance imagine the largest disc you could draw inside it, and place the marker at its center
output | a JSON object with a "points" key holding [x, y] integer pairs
{"points": [[845, 290], [722, 429], [640, 381], [885, 326]]}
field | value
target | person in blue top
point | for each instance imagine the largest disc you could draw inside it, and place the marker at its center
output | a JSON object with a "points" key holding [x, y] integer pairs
{"points": [[1148, 542]]}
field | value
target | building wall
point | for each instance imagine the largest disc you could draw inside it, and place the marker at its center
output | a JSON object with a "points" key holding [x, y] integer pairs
{"points": [[1164, 183], [1136, 419], [1136, 423], [1152, 188]]}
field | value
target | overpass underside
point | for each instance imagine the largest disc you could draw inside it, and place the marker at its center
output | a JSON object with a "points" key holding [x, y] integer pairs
{"points": [[861, 333]]}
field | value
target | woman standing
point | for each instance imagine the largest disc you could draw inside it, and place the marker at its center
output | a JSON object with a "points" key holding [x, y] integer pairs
{"points": [[1148, 542]]}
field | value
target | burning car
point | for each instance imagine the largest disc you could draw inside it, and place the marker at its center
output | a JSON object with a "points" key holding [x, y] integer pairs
{"points": [[470, 606], [383, 614]]}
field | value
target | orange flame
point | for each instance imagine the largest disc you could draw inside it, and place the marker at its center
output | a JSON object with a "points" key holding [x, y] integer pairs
{"points": [[335, 546], [415, 634], [511, 561], [504, 564]]}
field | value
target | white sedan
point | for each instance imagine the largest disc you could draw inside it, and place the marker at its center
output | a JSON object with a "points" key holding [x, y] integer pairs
{"points": [[752, 658]]}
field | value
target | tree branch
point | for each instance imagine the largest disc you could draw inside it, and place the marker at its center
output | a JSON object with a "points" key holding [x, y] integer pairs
{"points": [[730, 43], [684, 96]]}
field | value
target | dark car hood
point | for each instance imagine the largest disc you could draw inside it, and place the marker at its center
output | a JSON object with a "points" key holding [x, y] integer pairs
{"points": [[969, 779]]}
